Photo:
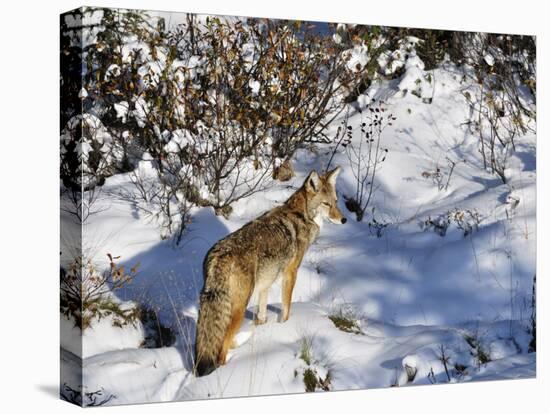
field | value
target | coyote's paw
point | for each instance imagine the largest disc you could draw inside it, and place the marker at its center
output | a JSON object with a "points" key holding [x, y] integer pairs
{"points": [[258, 321]]}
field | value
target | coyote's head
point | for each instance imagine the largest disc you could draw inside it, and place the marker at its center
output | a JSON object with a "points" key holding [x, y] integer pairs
{"points": [[321, 197]]}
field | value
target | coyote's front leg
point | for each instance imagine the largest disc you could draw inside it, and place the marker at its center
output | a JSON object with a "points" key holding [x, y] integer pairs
{"points": [[261, 316], [289, 280]]}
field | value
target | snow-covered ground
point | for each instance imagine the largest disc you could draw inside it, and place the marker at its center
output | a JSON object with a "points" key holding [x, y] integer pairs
{"points": [[269, 361], [413, 292]]}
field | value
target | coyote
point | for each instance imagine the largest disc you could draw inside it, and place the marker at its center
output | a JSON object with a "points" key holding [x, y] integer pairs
{"points": [[249, 260]]}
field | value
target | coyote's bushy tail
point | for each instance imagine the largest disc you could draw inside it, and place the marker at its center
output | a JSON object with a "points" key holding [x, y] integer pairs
{"points": [[212, 326]]}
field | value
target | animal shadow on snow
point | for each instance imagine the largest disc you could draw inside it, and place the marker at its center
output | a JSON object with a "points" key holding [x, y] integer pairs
{"points": [[250, 313], [169, 279]]}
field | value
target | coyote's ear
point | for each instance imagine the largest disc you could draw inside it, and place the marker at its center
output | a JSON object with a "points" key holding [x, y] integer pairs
{"points": [[332, 175], [313, 182]]}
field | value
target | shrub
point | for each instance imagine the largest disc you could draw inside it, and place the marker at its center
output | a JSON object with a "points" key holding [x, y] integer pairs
{"points": [[466, 220], [217, 106], [306, 350], [478, 349], [267, 88], [503, 99], [315, 376], [346, 319], [366, 156], [157, 335], [87, 295], [533, 319], [377, 226], [433, 45], [441, 178], [85, 398]]}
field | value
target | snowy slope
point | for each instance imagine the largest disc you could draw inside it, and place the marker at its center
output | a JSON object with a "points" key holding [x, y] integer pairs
{"points": [[411, 289], [269, 362]]}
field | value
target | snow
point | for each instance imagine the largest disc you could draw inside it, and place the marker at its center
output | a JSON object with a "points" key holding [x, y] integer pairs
{"points": [[121, 109], [83, 93], [414, 79], [413, 291], [112, 71], [489, 59], [102, 336], [357, 58], [254, 85], [179, 139], [267, 361], [140, 111], [392, 61]]}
